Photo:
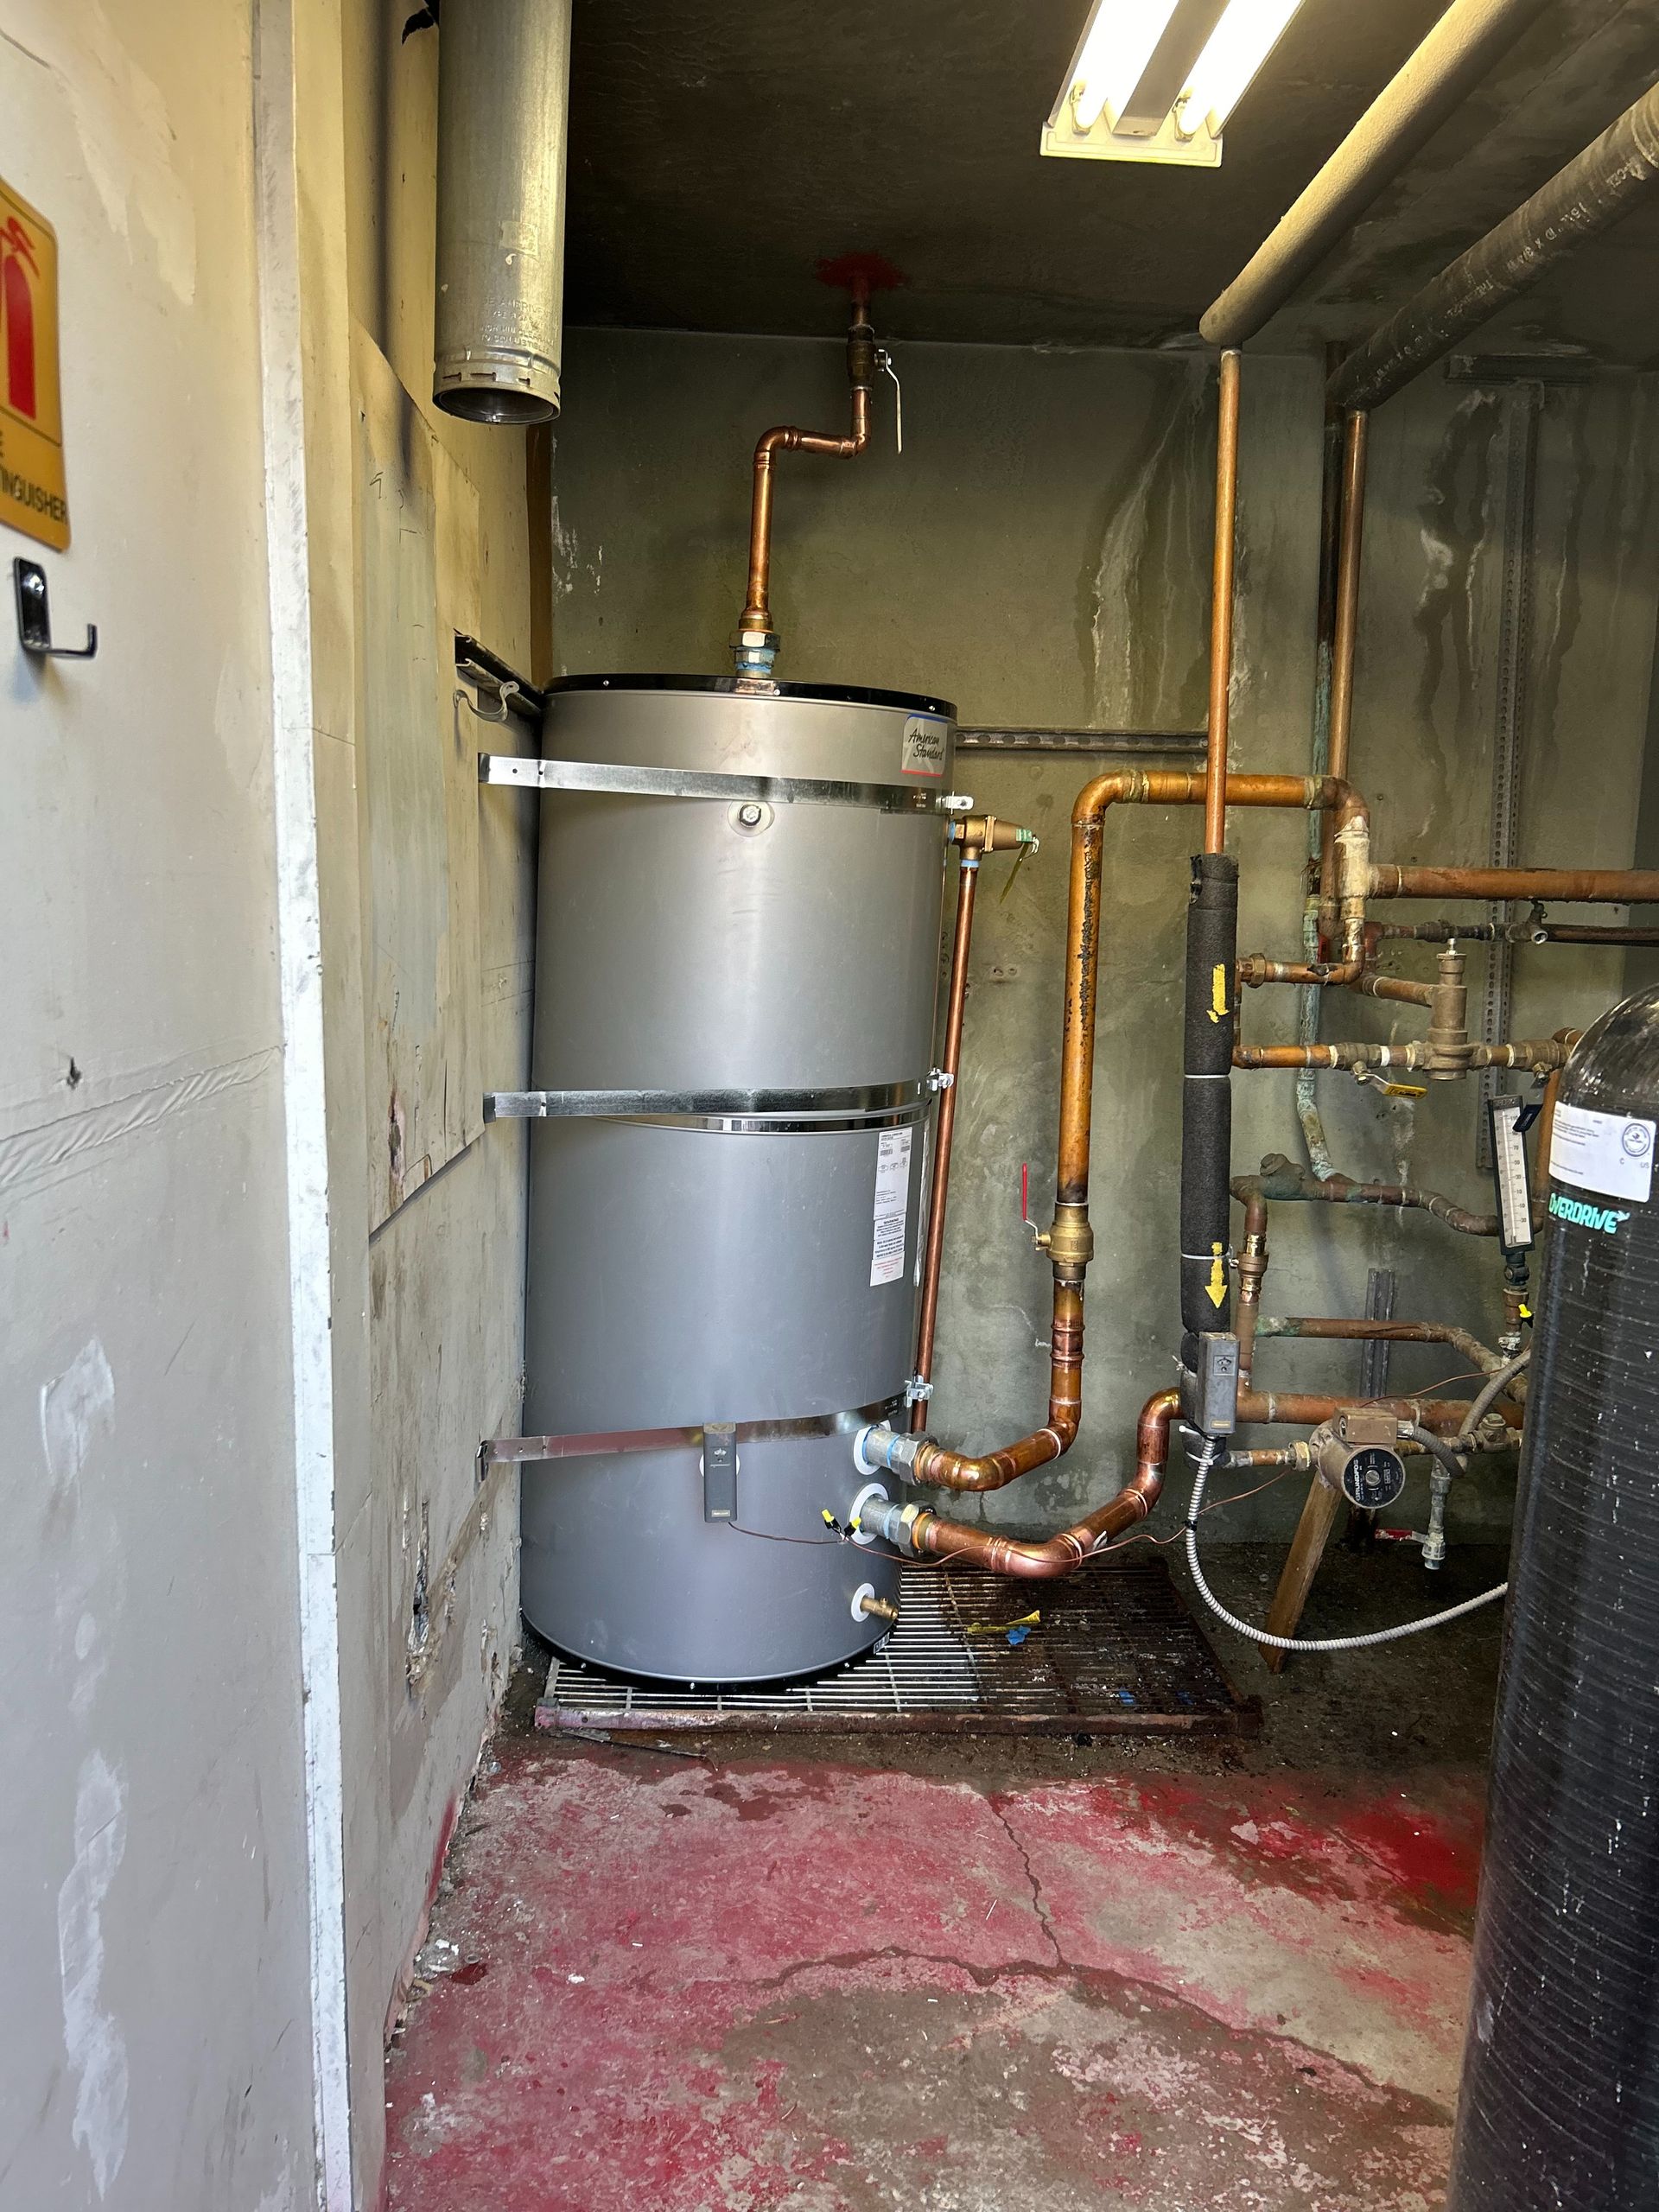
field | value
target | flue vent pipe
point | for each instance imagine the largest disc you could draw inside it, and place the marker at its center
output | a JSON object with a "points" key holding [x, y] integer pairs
{"points": [[1463, 46], [1588, 196], [503, 78]]}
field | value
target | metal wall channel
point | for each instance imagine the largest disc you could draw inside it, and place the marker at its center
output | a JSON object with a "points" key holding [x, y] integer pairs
{"points": [[1521, 403]]}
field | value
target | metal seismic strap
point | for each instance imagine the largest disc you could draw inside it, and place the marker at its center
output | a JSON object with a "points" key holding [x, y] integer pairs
{"points": [[782, 1112], [598, 1443], [630, 782]]}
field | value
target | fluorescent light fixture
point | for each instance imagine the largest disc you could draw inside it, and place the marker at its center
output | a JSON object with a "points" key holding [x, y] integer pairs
{"points": [[1155, 81]]}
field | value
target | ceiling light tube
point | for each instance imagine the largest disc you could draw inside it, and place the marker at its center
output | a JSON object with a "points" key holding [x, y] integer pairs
{"points": [[1240, 42], [1155, 81]]}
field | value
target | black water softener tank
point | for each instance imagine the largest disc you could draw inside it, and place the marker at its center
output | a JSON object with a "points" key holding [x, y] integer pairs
{"points": [[1560, 2107]]}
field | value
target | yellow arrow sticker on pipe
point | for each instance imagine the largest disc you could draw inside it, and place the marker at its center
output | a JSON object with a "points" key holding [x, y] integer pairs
{"points": [[1219, 1008], [1216, 1289]]}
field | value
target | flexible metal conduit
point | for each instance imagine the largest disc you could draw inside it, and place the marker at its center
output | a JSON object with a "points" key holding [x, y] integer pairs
{"points": [[1588, 196], [1457, 54]]}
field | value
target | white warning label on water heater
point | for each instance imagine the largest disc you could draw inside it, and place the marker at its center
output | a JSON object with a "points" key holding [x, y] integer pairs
{"points": [[892, 1205], [1609, 1153]]}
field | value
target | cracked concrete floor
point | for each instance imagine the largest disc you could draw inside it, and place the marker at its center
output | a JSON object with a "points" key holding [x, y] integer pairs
{"points": [[973, 1977]]}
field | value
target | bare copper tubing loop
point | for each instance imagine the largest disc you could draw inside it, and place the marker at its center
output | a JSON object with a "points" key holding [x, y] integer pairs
{"points": [[1221, 604], [1069, 1241], [757, 615]]}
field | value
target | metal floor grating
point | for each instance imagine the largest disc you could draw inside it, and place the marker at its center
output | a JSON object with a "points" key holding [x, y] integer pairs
{"points": [[1116, 1652]]}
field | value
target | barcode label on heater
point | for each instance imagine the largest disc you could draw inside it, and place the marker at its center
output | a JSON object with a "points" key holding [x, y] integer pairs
{"points": [[892, 1205]]}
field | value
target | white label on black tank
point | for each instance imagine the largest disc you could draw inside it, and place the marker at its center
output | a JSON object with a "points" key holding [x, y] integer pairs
{"points": [[924, 753], [1609, 1153], [892, 1205]]}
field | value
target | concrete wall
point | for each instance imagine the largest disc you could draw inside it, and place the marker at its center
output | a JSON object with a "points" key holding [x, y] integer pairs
{"points": [[263, 1265], [155, 2041], [1041, 554], [426, 948]]}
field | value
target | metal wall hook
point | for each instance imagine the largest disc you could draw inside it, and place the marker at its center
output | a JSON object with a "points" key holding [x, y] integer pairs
{"points": [[506, 694], [34, 617]]}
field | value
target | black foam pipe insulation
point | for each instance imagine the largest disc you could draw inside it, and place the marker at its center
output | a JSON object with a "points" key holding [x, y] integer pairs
{"points": [[1207, 1098], [1560, 2103]]}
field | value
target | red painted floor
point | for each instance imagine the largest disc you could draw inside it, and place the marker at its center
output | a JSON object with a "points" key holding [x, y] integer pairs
{"points": [[663, 1985]]}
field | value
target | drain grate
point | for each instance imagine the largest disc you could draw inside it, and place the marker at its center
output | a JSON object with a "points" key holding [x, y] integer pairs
{"points": [[1116, 1652]]}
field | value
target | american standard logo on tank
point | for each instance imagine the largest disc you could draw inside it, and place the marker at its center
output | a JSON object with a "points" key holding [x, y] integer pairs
{"points": [[924, 753]]}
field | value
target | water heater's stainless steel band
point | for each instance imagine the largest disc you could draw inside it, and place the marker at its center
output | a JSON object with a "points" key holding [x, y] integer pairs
{"points": [[600, 776], [870, 1106]]}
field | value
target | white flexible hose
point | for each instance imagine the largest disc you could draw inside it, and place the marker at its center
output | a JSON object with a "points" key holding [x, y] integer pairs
{"points": [[1207, 1459]]}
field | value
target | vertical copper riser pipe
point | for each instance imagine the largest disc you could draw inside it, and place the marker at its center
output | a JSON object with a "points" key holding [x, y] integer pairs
{"points": [[861, 373], [1221, 603], [1349, 547], [950, 1066]]}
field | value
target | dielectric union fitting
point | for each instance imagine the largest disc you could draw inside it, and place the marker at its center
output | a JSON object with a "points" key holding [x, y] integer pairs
{"points": [[895, 1524], [879, 1449], [754, 652]]}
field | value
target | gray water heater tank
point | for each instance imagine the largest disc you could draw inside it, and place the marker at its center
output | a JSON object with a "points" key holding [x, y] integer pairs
{"points": [[744, 1253]]}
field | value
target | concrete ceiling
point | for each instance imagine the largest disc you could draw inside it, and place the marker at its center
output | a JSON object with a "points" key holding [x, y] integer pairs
{"points": [[718, 153]]}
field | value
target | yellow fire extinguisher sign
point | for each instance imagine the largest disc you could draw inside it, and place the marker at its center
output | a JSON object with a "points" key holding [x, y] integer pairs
{"points": [[33, 496]]}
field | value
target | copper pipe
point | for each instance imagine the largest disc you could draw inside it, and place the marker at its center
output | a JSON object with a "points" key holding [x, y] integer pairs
{"points": [[1392, 1333], [1538, 1053], [1574, 933], [1345, 642], [1514, 933], [1040, 1562], [1305, 1409], [1033, 1560], [1281, 1178], [1589, 886], [950, 1067], [755, 624], [1255, 970], [1547, 1120], [1370, 985], [1221, 603], [1069, 1241], [1252, 1267]]}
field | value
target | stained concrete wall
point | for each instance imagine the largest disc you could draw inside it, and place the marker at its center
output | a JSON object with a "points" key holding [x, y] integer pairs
{"points": [[433, 952], [264, 1263], [155, 2041], [1041, 554]]}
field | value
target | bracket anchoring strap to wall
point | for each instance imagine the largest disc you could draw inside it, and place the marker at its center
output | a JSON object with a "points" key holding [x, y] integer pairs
{"points": [[630, 782], [601, 1443]]}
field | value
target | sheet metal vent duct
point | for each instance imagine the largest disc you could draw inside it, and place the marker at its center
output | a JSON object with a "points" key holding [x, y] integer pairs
{"points": [[504, 82], [1561, 2086]]}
